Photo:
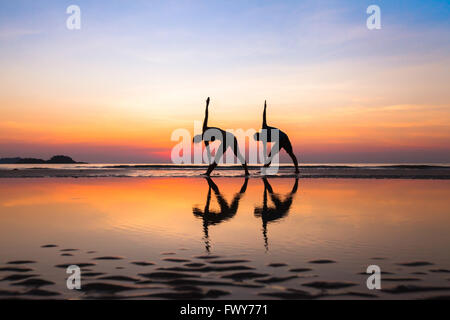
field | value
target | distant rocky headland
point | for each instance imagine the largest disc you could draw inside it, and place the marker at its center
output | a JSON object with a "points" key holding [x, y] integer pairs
{"points": [[54, 159]]}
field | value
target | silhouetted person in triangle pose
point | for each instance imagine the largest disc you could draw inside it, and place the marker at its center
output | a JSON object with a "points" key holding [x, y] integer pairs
{"points": [[266, 135], [271, 214], [228, 140], [227, 211]]}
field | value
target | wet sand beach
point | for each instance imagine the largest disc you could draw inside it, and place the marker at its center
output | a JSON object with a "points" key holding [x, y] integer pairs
{"points": [[224, 238]]}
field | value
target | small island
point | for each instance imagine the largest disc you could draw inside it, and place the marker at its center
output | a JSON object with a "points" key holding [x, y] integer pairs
{"points": [[59, 159]]}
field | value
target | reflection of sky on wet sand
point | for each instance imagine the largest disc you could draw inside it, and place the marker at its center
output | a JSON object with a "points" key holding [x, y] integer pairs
{"points": [[349, 221]]}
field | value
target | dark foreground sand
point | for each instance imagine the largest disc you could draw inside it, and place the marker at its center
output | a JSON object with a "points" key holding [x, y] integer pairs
{"points": [[210, 277]]}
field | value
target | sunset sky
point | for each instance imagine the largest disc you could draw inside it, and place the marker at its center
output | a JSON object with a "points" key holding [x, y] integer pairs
{"points": [[115, 90]]}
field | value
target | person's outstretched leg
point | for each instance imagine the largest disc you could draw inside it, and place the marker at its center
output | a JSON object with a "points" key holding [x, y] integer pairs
{"points": [[240, 157], [290, 152], [273, 152], [219, 153], [294, 159], [211, 167]]}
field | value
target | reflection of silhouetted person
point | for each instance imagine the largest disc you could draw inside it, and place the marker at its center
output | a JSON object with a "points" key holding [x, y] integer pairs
{"points": [[280, 142], [228, 140], [227, 211], [271, 214]]}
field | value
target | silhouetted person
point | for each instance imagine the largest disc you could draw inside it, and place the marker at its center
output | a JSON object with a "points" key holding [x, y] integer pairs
{"points": [[271, 214], [227, 211], [266, 135], [228, 140]]}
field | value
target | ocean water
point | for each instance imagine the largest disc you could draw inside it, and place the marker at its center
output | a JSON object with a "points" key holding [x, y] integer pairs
{"points": [[201, 166], [224, 238]]}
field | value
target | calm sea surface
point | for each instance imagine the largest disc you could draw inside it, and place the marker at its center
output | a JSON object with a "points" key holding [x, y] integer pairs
{"points": [[225, 237]]}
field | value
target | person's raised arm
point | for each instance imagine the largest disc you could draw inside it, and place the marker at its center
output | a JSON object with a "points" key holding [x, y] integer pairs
{"points": [[264, 115], [205, 122]]}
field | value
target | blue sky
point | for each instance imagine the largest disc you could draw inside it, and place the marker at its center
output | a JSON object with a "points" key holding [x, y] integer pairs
{"points": [[138, 66]]}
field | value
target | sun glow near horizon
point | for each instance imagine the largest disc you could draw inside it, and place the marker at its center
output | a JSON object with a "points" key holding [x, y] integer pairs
{"points": [[115, 90]]}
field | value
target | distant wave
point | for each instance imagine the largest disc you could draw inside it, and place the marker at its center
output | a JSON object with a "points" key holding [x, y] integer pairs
{"points": [[348, 171], [234, 167]]}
